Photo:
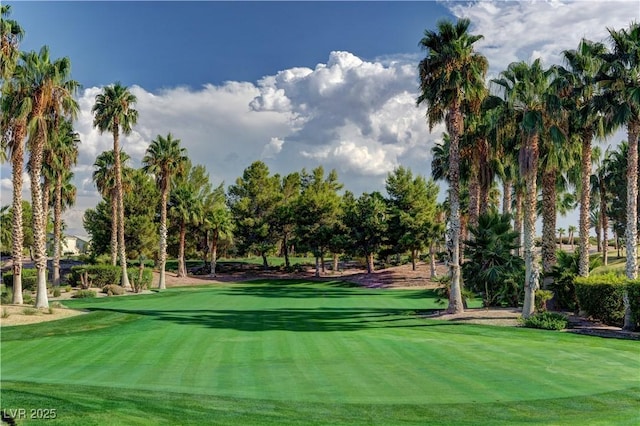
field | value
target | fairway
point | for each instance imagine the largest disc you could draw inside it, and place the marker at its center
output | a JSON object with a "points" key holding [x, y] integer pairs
{"points": [[312, 351]]}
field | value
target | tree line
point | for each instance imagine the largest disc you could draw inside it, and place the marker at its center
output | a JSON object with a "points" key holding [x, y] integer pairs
{"points": [[531, 129]]}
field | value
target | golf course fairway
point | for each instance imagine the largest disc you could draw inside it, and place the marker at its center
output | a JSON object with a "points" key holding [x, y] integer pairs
{"points": [[299, 352]]}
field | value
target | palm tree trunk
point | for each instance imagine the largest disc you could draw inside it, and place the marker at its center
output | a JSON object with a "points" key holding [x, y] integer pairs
{"points": [[39, 220], [182, 267], [17, 234], [517, 221], [57, 230], [163, 237], [528, 167], [605, 225], [474, 192], [370, 264], [631, 232], [454, 127], [114, 228], [585, 201], [214, 252], [336, 258], [285, 250], [432, 260], [317, 273], [549, 226], [507, 187], [120, 199], [485, 177], [413, 259]]}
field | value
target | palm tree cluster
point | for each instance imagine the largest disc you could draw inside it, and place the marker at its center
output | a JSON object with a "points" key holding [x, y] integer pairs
{"points": [[532, 127]]}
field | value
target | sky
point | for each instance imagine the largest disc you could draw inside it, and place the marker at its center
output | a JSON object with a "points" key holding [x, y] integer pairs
{"points": [[294, 84]]}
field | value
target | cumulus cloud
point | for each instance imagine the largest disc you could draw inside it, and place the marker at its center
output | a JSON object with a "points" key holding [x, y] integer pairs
{"points": [[526, 30]]}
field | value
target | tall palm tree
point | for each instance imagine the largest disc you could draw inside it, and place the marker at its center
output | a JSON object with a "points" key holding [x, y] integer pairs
{"points": [[104, 176], [186, 205], [218, 220], [50, 91], [451, 74], [14, 107], [561, 232], [165, 158], [572, 231], [11, 34], [65, 145], [583, 66], [525, 89], [113, 112], [621, 80]]}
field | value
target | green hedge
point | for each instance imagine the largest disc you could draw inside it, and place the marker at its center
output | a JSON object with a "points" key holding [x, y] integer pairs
{"points": [[101, 275], [601, 297], [29, 279]]}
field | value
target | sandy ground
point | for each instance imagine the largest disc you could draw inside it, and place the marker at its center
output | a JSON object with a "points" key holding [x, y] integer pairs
{"points": [[400, 277]]}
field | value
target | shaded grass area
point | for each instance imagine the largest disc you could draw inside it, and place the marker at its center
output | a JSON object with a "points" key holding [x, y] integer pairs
{"points": [[298, 352], [87, 405]]}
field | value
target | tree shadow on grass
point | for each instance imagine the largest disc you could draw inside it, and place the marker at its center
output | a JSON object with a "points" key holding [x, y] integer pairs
{"points": [[310, 320]]}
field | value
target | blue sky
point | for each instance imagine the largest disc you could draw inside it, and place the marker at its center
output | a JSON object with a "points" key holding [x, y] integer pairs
{"points": [[294, 84], [167, 44]]}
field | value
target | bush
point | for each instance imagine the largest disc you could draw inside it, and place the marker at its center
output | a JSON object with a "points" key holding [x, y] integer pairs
{"points": [[600, 297], [7, 296], [634, 299], [542, 297], [546, 321], [56, 292], [30, 311], [113, 290], [140, 283], [29, 279], [84, 294], [98, 275]]}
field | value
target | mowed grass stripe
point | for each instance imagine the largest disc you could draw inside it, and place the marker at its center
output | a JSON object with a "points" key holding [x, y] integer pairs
{"points": [[310, 342]]}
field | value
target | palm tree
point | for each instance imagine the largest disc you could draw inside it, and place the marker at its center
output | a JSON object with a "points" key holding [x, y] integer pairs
{"points": [[11, 33], [561, 232], [165, 158], [105, 178], [218, 220], [65, 145], [525, 88], [113, 112], [15, 108], [584, 64], [621, 80], [50, 92], [186, 205], [451, 74], [571, 230]]}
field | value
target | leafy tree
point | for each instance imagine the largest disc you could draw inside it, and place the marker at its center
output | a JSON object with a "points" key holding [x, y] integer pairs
{"points": [[285, 214], [451, 74], [366, 221], [317, 212], [253, 201], [412, 203], [113, 112], [165, 158], [491, 268]]}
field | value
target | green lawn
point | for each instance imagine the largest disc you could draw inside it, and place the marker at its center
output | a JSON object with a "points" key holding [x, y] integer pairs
{"points": [[308, 353]]}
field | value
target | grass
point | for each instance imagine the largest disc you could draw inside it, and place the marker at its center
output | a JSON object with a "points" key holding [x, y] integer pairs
{"points": [[308, 353]]}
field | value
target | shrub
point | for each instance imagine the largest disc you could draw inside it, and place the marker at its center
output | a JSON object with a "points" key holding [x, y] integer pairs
{"points": [[30, 311], [113, 289], [27, 297], [5, 313], [84, 294], [29, 279], [600, 297], [564, 273], [56, 292], [7, 296], [97, 275], [634, 300], [546, 321], [140, 279], [541, 299]]}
